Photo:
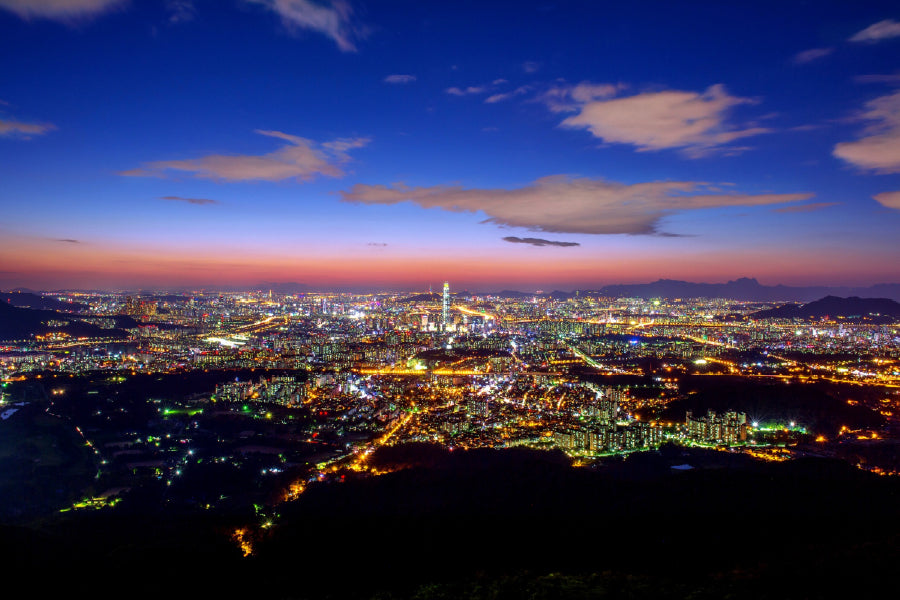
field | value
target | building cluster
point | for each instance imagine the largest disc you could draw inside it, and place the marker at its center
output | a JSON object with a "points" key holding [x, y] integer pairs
{"points": [[283, 390], [136, 307], [601, 429], [727, 428]]}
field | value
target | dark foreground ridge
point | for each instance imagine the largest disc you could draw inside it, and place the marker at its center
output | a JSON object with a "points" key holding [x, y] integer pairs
{"points": [[503, 524]]}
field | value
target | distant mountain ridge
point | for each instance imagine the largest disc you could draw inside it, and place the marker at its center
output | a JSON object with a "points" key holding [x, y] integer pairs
{"points": [[430, 297], [744, 288], [747, 289]]}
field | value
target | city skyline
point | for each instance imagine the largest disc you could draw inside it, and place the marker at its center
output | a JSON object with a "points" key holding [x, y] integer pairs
{"points": [[182, 143]]}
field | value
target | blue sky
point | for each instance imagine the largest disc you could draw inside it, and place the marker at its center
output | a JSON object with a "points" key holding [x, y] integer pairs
{"points": [[161, 143]]}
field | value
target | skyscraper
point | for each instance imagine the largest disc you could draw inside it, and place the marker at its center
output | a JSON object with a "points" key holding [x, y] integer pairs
{"points": [[445, 307]]}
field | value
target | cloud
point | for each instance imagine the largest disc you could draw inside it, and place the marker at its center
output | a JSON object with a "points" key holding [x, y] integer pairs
{"points": [[879, 151], [181, 11], [399, 78], [67, 240], [888, 199], [377, 244], [497, 98], [694, 123], [802, 208], [890, 78], [530, 66], [807, 56], [333, 18], [562, 204], [568, 98], [22, 130], [59, 10], [506, 96], [340, 146], [472, 89], [299, 159], [807, 127], [881, 30], [538, 242], [198, 201], [488, 87]]}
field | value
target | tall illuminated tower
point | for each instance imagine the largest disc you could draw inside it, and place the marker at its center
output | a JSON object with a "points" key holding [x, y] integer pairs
{"points": [[445, 306]]}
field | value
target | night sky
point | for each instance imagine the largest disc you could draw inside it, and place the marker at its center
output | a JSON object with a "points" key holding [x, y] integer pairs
{"points": [[497, 145]]}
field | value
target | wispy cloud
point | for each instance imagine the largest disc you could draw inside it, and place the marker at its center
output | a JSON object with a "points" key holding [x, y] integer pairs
{"points": [[399, 78], [299, 159], [530, 66], [23, 130], [570, 98], [879, 151], [889, 78], [341, 146], [377, 244], [562, 204], [67, 240], [59, 10], [198, 201], [692, 122], [468, 91], [881, 30], [507, 95], [538, 242], [331, 18], [488, 88], [803, 208], [808, 56], [181, 11], [888, 199], [806, 127]]}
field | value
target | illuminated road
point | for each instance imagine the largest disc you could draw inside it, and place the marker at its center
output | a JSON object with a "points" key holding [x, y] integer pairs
{"points": [[423, 372], [357, 465], [598, 366], [476, 313]]}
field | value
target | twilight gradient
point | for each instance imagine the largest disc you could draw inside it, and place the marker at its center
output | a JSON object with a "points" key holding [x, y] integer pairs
{"points": [[399, 144]]}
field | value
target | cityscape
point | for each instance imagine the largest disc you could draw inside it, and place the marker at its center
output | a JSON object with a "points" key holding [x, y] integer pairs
{"points": [[216, 401], [330, 299]]}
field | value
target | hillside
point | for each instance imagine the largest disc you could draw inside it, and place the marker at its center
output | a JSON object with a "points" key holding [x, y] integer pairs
{"points": [[24, 323], [873, 309]]}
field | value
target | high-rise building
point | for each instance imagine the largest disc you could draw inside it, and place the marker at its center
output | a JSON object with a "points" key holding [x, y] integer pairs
{"points": [[445, 306], [729, 428]]}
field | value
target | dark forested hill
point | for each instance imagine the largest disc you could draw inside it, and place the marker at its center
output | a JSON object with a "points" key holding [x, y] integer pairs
{"points": [[29, 300], [24, 323], [833, 306]]}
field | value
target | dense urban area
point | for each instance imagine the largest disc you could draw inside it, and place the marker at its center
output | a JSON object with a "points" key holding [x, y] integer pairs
{"points": [[240, 403]]}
